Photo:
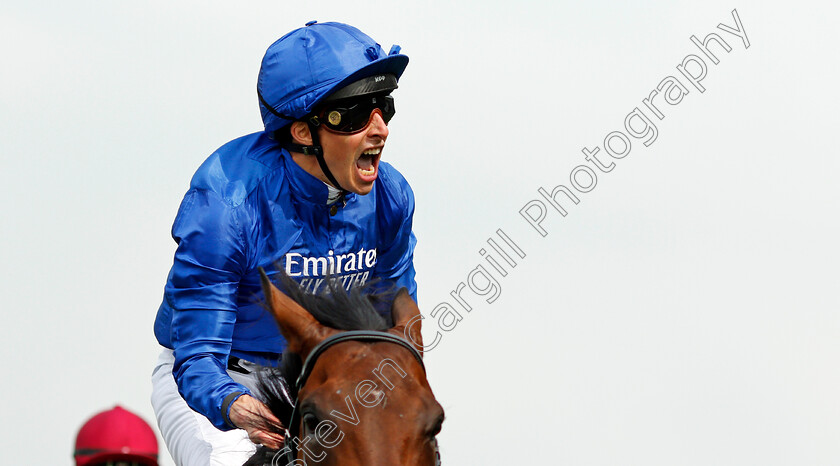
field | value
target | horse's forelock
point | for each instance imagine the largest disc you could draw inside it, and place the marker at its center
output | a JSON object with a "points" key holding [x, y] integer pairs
{"points": [[334, 307]]}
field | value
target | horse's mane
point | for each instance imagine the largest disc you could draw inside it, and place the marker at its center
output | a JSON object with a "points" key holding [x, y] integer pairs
{"points": [[334, 307]]}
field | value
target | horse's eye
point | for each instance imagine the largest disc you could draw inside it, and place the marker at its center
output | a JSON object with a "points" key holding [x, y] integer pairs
{"points": [[310, 421]]}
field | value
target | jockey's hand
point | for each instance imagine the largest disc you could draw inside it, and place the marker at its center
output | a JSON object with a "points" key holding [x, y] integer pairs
{"points": [[262, 426]]}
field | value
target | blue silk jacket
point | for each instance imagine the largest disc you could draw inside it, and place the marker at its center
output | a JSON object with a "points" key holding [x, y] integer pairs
{"points": [[250, 205]]}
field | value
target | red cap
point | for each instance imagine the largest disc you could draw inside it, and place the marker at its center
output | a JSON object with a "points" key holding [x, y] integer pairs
{"points": [[116, 435]]}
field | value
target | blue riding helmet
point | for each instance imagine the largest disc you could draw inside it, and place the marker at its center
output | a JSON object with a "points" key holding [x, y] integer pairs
{"points": [[308, 64]]}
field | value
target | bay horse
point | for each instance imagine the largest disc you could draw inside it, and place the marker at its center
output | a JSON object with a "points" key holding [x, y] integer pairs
{"points": [[352, 386]]}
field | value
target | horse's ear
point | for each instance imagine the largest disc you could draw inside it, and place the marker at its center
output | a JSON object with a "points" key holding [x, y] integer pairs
{"points": [[406, 316], [301, 330]]}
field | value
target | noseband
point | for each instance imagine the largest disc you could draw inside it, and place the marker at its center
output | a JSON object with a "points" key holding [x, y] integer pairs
{"points": [[292, 431]]}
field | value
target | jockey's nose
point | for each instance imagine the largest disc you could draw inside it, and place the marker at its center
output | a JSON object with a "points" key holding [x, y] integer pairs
{"points": [[377, 127]]}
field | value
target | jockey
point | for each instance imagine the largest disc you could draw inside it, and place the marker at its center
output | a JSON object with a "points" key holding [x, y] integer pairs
{"points": [[308, 194], [116, 437]]}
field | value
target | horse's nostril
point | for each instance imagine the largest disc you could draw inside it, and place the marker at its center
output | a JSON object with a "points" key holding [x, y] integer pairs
{"points": [[436, 427]]}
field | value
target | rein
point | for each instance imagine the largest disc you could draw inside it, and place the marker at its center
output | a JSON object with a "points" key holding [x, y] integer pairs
{"points": [[289, 447]]}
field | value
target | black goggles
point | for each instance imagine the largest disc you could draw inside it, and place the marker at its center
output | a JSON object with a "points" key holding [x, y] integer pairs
{"points": [[354, 115]]}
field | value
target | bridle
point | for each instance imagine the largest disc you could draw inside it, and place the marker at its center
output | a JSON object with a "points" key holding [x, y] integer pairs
{"points": [[289, 451]]}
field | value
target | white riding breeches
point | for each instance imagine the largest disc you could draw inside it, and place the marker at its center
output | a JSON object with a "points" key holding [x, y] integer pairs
{"points": [[191, 439]]}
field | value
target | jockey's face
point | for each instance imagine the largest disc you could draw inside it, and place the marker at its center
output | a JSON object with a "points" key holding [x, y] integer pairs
{"points": [[353, 159]]}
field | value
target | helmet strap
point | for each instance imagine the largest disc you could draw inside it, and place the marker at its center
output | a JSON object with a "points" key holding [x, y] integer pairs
{"points": [[318, 151], [319, 155]]}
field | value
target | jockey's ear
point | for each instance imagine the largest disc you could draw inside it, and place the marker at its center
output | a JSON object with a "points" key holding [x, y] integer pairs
{"points": [[300, 133], [406, 316], [301, 330]]}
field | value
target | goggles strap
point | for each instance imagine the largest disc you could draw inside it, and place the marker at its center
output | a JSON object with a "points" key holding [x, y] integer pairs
{"points": [[271, 109]]}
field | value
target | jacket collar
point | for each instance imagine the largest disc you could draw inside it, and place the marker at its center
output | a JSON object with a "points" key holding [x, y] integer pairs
{"points": [[304, 185]]}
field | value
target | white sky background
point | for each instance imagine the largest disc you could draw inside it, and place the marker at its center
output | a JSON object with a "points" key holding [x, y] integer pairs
{"points": [[685, 312]]}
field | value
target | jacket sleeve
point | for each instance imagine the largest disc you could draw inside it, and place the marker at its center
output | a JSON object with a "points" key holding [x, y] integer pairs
{"points": [[202, 290], [395, 258]]}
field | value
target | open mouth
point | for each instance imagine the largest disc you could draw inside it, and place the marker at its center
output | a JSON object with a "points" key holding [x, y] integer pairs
{"points": [[368, 163]]}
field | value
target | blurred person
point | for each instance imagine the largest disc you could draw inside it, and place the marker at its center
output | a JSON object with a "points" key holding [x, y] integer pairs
{"points": [[116, 437], [307, 196]]}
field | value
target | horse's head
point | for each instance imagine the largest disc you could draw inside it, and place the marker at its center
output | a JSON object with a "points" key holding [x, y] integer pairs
{"points": [[363, 398]]}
